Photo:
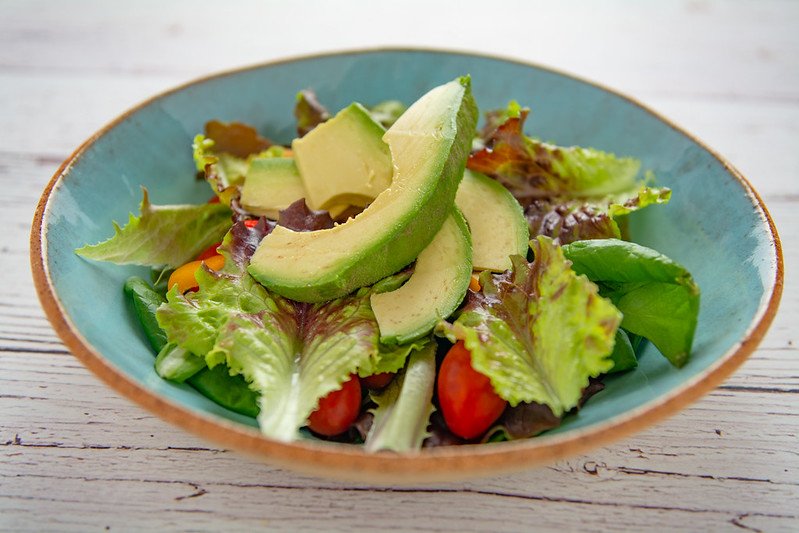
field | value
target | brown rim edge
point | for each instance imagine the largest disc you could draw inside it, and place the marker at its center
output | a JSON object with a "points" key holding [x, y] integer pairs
{"points": [[440, 464]]}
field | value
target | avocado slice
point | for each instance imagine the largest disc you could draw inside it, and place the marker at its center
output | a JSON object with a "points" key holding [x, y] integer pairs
{"points": [[271, 184], [496, 221], [344, 161], [435, 289], [429, 145]]}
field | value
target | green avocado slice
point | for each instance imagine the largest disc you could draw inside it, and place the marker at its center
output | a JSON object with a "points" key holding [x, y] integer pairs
{"points": [[356, 163], [496, 221], [435, 289], [429, 145], [270, 185]]}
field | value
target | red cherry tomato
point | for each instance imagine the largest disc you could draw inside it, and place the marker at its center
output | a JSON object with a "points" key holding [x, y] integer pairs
{"points": [[468, 401], [214, 200], [338, 410], [209, 252], [377, 381], [251, 223]]}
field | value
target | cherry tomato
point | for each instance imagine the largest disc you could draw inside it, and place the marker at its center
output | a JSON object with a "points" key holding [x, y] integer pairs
{"points": [[467, 398], [214, 200], [377, 381], [209, 252], [338, 410], [251, 223], [185, 276]]}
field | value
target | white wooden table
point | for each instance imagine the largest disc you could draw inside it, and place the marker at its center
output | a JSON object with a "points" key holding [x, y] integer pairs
{"points": [[75, 456]]}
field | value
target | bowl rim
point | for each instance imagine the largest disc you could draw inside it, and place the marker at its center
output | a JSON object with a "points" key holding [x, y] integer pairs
{"points": [[352, 463]]}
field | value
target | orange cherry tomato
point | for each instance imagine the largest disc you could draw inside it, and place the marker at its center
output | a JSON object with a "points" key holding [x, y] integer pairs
{"points": [[338, 410], [184, 276], [467, 398], [377, 381]]}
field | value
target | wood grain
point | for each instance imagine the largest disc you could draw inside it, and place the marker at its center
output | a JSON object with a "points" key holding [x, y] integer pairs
{"points": [[75, 457]]}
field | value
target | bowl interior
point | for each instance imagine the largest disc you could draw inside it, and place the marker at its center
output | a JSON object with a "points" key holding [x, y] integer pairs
{"points": [[712, 225]]}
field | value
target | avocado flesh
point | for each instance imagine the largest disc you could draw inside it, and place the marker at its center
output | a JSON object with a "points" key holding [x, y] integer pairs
{"points": [[496, 221], [429, 145], [344, 161], [435, 289], [271, 184]]}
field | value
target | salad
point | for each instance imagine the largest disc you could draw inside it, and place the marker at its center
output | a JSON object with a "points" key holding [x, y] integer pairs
{"points": [[398, 278]]}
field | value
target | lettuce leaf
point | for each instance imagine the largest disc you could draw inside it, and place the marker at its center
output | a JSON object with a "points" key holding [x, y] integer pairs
{"points": [[162, 236], [567, 220], [657, 296], [538, 331], [390, 358], [532, 169], [308, 112], [299, 217], [236, 139], [403, 409]]}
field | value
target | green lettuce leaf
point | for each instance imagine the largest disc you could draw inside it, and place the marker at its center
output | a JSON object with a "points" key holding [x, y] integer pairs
{"points": [[657, 296], [390, 358], [404, 407], [538, 331], [623, 355], [231, 392], [162, 236]]}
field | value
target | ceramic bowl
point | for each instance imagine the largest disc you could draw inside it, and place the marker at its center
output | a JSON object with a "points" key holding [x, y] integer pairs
{"points": [[716, 225]]}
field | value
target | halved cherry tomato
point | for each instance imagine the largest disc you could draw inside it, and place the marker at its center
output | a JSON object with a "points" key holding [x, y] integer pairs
{"points": [[377, 381], [338, 410], [209, 252], [467, 398], [184, 276]]}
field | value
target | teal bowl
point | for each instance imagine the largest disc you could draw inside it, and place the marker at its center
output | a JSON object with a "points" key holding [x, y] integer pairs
{"points": [[716, 225]]}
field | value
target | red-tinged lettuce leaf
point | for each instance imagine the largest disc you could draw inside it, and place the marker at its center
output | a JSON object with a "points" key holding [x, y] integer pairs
{"points": [[241, 241], [530, 419], [538, 331], [567, 220], [235, 138], [162, 235], [299, 217], [531, 169], [309, 112]]}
